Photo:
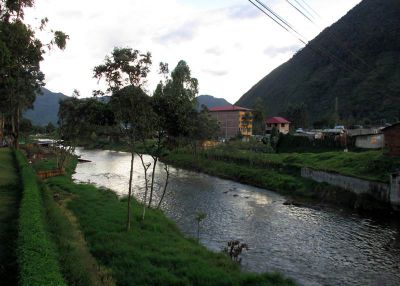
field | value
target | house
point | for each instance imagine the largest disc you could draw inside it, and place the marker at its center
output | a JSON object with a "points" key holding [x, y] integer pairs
{"points": [[233, 121], [369, 141], [392, 139], [282, 124]]}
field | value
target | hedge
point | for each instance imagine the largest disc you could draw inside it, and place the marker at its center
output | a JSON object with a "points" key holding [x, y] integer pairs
{"points": [[37, 257]]}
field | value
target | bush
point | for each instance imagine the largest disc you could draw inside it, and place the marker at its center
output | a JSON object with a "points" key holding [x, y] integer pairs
{"points": [[36, 254]]}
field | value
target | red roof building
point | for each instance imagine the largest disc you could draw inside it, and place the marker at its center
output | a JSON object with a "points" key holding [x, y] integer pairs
{"points": [[282, 124], [392, 139], [233, 121]]}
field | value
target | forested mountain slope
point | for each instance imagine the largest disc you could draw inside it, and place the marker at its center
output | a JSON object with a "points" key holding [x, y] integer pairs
{"points": [[355, 62]]}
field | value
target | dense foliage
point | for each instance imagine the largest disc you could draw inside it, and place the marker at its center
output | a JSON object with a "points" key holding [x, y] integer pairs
{"points": [[37, 256], [366, 83], [20, 55]]}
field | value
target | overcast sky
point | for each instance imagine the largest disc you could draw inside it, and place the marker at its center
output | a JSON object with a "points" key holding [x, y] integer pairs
{"points": [[228, 44]]}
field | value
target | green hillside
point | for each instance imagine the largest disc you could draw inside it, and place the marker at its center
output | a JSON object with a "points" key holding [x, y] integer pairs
{"points": [[45, 108], [366, 86]]}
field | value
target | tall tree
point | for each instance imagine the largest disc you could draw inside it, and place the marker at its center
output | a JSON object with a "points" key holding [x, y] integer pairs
{"points": [[125, 71], [259, 115], [20, 55]]}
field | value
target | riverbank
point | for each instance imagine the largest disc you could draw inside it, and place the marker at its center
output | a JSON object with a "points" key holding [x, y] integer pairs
{"points": [[277, 175], [154, 252], [239, 161], [82, 229]]}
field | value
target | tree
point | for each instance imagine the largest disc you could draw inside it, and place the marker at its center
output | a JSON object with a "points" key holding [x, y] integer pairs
{"points": [[50, 128], [125, 71], [297, 114], [20, 55], [203, 127], [259, 115], [174, 102]]}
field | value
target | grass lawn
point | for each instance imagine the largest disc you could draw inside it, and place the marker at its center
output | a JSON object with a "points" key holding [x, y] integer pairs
{"points": [[154, 252], [9, 203]]}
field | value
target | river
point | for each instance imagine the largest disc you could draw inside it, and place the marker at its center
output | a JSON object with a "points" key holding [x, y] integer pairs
{"points": [[314, 247]]}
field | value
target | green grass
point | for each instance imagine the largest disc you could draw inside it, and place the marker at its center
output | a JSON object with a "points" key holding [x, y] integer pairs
{"points": [[370, 165], [8, 174], [36, 253], [9, 203], [154, 252], [77, 264]]}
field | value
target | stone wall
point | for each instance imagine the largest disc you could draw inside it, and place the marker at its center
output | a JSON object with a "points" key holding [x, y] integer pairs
{"points": [[379, 191], [395, 191]]}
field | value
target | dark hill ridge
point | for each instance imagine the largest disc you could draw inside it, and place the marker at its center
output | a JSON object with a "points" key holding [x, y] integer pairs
{"points": [[367, 88], [45, 108], [210, 101]]}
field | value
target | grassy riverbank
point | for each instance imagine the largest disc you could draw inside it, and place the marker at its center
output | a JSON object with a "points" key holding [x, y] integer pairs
{"points": [[370, 165], [283, 181], [10, 193], [154, 252]]}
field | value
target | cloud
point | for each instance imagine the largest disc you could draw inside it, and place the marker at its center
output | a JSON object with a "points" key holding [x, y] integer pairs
{"points": [[184, 33], [243, 12], [71, 14], [216, 51], [215, 72], [275, 51]]}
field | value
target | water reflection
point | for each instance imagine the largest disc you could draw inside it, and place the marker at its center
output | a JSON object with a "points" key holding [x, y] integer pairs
{"points": [[316, 247]]}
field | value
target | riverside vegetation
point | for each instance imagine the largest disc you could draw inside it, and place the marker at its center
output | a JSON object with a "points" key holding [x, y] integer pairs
{"points": [[80, 232], [282, 172]]}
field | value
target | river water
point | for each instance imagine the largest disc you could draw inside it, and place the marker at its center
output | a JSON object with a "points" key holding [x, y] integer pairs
{"points": [[314, 247]]}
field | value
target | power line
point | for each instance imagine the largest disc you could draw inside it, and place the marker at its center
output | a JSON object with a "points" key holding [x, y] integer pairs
{"points": [[289, 28], [329, 33], [304, 8], [277, 21], [301, 12], [306, 4]]}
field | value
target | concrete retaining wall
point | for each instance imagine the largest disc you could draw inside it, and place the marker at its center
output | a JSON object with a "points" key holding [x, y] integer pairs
{"points": [[378, 190], [395, 191]]}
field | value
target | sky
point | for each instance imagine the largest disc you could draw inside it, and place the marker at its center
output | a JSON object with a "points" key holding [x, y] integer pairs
{"points": [[228, 44]]}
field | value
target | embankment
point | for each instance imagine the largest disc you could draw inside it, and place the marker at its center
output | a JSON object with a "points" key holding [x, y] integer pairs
{"points": [[276, 175]]}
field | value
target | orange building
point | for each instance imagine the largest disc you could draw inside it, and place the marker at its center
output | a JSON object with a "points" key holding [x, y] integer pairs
{"points": [[233, 121]]}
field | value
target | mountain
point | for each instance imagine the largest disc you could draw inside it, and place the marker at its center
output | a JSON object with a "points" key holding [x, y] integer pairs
{"points": [[352, 67], [45, 108], [210, 101]]}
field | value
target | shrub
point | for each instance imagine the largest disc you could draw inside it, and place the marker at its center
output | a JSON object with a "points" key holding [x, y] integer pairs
{"points": [[37, 257]]}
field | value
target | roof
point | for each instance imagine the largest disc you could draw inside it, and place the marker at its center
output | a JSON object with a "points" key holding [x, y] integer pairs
{"points": [[366, 135], [391, 126], [228, 108], [274, 120]]}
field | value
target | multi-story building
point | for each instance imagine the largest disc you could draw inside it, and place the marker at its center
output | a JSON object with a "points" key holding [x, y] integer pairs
{"points": [[280, 123], [233, 121]]}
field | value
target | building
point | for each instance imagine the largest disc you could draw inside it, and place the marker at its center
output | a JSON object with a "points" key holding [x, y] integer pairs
{"points": [[392, 139], [233, 121], [282, 124], [369, 141]]}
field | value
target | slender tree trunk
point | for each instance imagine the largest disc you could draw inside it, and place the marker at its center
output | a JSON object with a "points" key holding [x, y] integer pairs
{"points": [[145, 168], [165, 186], [17, 129], [155, 160], [198, 231], [2, 120], [128, 223]]}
